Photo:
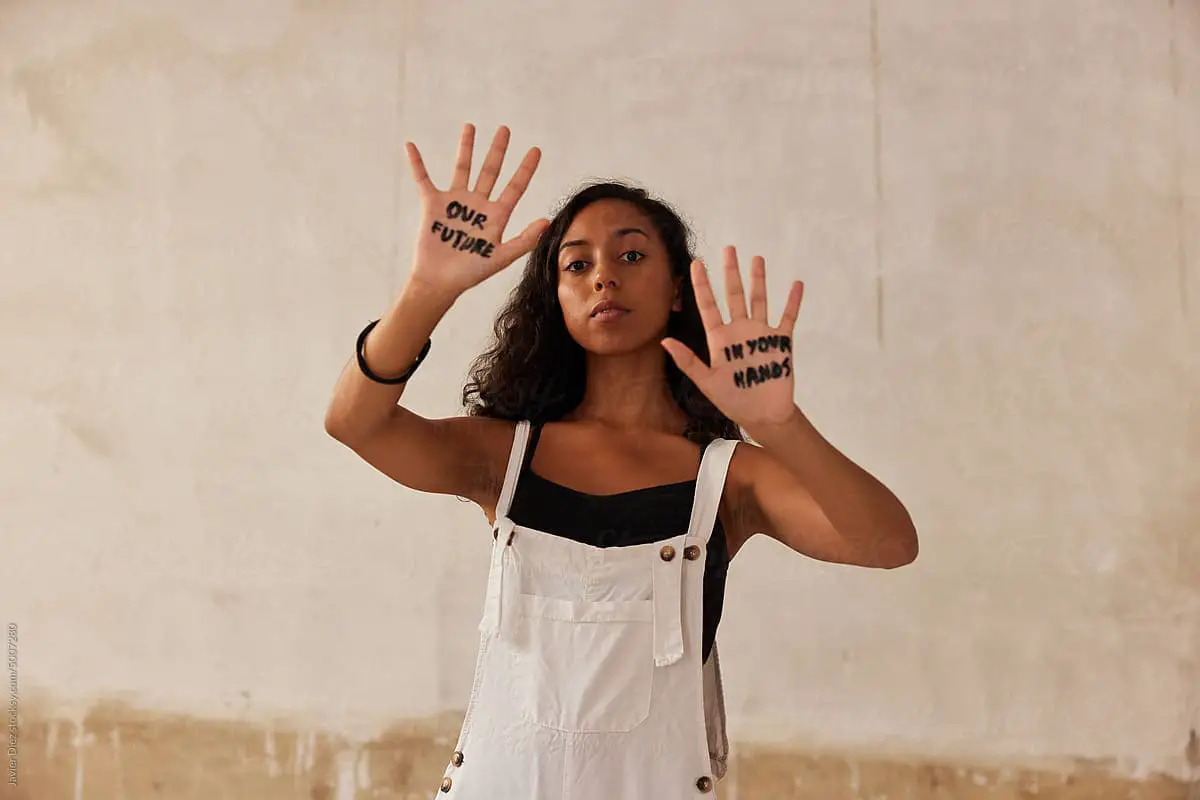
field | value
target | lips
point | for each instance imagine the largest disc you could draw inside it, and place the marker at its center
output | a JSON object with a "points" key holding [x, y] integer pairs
{"points": [[606, 306]]}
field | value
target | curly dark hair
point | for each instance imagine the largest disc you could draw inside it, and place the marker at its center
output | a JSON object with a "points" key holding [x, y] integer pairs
{"points": [[535, 370]]}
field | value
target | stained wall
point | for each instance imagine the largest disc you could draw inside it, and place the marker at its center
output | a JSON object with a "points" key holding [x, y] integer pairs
{"points": [[994, 208]]}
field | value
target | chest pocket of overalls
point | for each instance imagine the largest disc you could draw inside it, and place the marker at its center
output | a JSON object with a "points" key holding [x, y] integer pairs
{"points": [[583, 667]]}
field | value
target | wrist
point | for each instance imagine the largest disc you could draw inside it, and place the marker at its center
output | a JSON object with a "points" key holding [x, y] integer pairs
{"points": [[427, 293]]}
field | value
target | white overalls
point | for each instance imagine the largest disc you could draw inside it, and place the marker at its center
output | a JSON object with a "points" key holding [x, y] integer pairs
{"points": [[589, 683]]}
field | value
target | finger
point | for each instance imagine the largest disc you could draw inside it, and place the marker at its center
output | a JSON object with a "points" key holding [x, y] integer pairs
{"points": [[520, 244], [462, 165], [490, 172], [686, 360], [710, 312], [420, 174], [520, 179], [734, 293], [788, 321], [758, 288]]}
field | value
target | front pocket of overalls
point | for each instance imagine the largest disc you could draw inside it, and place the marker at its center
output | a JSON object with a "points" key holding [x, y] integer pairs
{"points": [[584, 667]]}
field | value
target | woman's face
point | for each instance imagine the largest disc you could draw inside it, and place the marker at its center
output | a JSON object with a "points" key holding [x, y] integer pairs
{"points": [[611, 251]]}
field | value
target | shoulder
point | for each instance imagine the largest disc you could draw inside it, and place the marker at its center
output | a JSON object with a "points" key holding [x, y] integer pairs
{"points": [[738, 507], [494, 440]]}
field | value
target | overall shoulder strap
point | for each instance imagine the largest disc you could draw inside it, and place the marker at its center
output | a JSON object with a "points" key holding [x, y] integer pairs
{"points": [[516, 458], [710, 484]]}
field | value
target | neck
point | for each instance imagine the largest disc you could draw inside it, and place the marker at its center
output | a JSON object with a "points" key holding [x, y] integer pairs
{"points": [[629, 392]]}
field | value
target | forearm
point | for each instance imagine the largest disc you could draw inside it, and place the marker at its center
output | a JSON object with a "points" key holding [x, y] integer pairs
{"points": [[358, 403], [857, 504]]}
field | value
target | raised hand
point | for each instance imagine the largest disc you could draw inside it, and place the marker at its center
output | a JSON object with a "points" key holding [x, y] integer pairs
{"points": [[750, 378], [459, 242]]}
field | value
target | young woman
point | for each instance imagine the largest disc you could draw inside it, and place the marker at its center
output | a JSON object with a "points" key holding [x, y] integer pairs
{"points": [[601, 446]]}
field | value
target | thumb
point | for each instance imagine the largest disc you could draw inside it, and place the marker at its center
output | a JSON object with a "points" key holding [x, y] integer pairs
{"points": [[523, 242], [683, 357]]}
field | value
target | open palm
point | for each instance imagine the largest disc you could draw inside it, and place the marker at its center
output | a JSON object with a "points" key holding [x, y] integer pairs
{"points": [[459, 242], [750, 377]]}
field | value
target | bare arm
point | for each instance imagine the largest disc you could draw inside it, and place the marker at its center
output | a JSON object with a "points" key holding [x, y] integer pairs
{"points": [[360, 405], [458, 246]]}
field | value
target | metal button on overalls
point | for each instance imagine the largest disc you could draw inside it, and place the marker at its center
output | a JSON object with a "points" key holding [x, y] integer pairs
{"points": [[590, 662]]}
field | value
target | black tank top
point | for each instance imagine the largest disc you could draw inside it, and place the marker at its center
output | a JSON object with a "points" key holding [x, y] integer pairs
{"points": [[629, 518]]}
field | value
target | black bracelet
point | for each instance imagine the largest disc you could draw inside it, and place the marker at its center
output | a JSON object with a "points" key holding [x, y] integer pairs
{"points": [[362, 361]]}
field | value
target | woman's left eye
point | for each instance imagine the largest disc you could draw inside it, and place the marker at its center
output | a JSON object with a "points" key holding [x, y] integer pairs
{"points": [[640, 256]]}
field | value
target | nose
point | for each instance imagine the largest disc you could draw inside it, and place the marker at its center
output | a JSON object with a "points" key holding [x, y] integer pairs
{"points": [[604, 274]]}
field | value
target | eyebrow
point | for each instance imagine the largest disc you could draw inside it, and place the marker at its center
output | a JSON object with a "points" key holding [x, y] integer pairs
{"points": [[616, 235]]}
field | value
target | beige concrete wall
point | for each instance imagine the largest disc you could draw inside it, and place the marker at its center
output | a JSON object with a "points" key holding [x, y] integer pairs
{"points": [[995, 208]]}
